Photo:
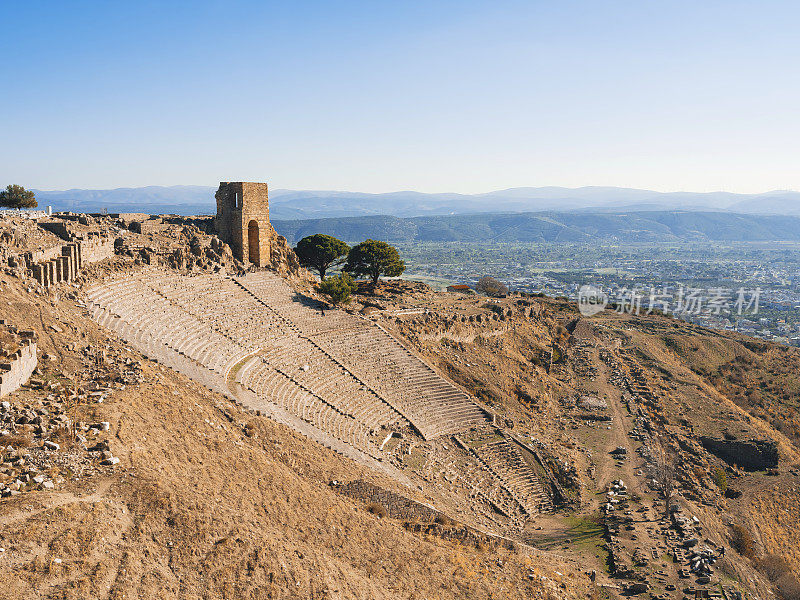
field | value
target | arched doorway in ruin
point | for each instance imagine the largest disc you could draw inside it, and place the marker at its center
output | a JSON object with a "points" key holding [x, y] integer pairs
{"points": [[252, 243]]}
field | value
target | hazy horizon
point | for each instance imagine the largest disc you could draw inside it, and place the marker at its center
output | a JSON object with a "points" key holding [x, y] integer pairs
{"points": [[419, 191]]}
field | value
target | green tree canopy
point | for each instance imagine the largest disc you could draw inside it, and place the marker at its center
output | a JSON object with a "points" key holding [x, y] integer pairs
{"points": [[337, 289], [373, 259], [721, 479], [321, 252], [16, 196]]}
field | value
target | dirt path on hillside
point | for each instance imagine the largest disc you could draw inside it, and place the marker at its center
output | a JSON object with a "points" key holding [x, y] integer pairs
{"points": [[606, 467]]}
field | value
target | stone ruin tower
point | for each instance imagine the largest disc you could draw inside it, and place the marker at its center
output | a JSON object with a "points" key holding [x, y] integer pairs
{"points": [[243, 220]]}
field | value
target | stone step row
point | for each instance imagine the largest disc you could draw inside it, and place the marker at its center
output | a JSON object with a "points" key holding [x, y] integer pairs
{"points": [[433, 405], [314, 370], [273, 386], [507, 462]]}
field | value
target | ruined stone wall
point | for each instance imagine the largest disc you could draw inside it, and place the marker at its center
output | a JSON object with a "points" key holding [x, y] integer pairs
{"points": [[96, 249], [42, 255], [150, 225], [60, 228], [128, 218], [64, 263], [750, 455], [418, 517], [86, 243], [243, 220], [63, 267], [23, 214], [16, 369]]}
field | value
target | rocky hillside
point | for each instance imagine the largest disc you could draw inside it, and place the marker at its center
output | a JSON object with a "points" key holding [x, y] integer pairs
{"points": [[206, 500], [665, 459], [587, 388]]}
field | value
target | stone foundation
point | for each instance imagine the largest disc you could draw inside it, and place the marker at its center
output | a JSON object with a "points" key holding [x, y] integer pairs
{"points": [[152, 224], [15, 370], [64, 263], [419, 517], [750, 455], [95, 249]]}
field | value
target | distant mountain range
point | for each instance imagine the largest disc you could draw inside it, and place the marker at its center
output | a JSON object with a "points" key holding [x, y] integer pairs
{"points": [[574, 226], [291, 204]]}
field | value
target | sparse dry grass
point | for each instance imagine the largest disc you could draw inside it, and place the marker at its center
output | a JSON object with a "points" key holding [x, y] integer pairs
{"points": [[16, 441], [64, 436], [778, 512], [760, 377], [742, 541]]}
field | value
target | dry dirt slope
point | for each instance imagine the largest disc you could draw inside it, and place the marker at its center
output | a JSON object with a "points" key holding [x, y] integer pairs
{"points": [[700, 377], [211, 502]]}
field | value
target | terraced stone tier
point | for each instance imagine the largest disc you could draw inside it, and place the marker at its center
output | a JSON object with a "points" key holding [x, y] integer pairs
{"points": [[275, 386], [338, 375], [205, 326], [338, 372], [432, 404], [131, 308], [505, 460]]}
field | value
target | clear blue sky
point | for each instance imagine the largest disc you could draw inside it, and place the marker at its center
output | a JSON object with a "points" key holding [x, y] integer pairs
{"points": [[381, 96]]}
